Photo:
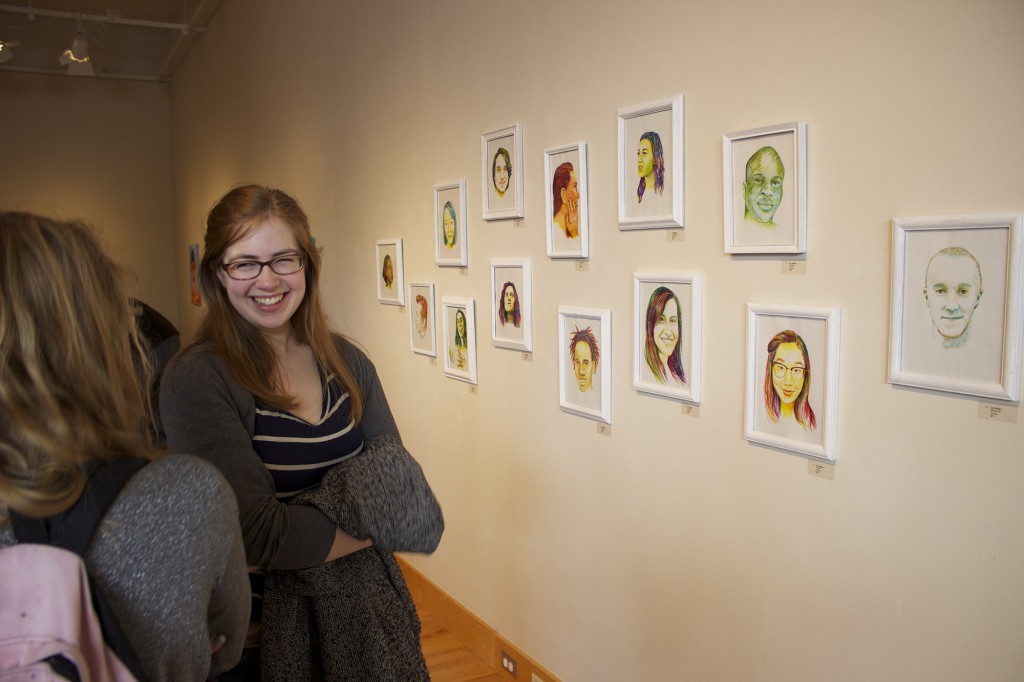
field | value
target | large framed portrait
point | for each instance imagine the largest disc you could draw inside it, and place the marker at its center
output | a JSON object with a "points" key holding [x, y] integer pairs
{"points": [[421, 318], [512, 303], [667, 335], [566, 201], [764, 181], [390, 266], [501, 172], [651, 183], [459, 338], [585, 362], [451, 233], [956, 304], [792, 378]]}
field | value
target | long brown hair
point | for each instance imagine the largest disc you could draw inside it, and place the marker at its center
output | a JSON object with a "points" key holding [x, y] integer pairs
{"points": [[71, 389], [245, 351]]}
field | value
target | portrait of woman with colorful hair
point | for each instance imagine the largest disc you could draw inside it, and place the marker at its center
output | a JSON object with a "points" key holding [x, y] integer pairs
{"points": [[650, 165], [450, 225], [787, 380], [662, 348], [509, 311]]}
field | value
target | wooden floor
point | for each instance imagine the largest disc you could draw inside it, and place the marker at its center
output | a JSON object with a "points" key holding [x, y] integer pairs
{"points": [[448, 658]]}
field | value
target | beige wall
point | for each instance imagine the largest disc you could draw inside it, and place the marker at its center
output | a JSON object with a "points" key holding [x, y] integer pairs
{"points": [[671, 549], [95, 150]]}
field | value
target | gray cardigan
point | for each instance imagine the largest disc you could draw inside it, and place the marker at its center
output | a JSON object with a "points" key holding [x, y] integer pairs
{"points": [[206, 411], [168, 558]]}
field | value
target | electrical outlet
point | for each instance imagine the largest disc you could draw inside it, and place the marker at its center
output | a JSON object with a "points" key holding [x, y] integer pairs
{"points": [[509, 664]]}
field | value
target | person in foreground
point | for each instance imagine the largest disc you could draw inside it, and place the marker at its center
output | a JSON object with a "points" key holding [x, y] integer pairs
{"points": [[295, 417], [168, 555]]}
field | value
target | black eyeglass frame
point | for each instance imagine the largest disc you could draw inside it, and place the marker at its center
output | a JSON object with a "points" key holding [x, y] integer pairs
{"points": [[264, 263]]}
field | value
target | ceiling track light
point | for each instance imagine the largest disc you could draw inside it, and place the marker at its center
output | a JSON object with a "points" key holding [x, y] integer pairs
{"points": [[76, 57], [5, 51]]}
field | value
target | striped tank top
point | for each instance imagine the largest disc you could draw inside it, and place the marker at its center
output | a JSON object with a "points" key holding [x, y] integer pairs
{"points": [[298, 453]]}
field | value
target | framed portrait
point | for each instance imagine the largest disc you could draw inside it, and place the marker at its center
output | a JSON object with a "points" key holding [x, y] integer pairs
{"points": [[764, 182], [651, 183], [585, 362], [459, 338], [390, 265], [792, 378], [421, 318], [194, 296], [566, 201], [667, 335], [512, 303], [501, 172], [451, 233], [956, 319]]}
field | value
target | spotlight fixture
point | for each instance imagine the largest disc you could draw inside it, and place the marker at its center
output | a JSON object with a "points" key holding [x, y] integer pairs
{"points": [[76, 57], [5, 50]]}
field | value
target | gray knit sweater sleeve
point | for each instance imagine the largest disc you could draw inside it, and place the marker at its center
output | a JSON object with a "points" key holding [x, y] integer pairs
{"points": [[382, 494], [168, 558], [208, 413]]}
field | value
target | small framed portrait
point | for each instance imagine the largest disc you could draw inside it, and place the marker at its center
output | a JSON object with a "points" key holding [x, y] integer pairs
{"points": [[421, 318], [193, 275], [451, 235], [459, 338], [502, 173], [764, 181], [585, 362], [956, 322], [390, 265], [565, 191], [667, 335], [651, 183], [792, 378], [512, 303]]}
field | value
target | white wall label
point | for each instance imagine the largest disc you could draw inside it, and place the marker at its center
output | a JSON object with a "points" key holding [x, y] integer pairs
{"points": [[691, 411], [582, 266], [794, 267], [674, 236], [997, 413], [604, 430], [821, 470]]}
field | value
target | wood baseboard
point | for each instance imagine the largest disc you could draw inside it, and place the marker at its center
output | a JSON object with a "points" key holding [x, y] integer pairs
{"points": [[478, 636]]}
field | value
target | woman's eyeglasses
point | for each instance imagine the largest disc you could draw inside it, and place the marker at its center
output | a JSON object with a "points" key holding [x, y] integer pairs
{"points": [[779, 370], [287, 264]]}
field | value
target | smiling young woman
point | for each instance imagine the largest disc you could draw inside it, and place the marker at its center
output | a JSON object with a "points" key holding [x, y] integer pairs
{"points": [[281, 404]]}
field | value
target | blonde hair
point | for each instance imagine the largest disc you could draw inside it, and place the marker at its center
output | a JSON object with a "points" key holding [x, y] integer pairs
{"points": [[72, 369], [246, 352]]}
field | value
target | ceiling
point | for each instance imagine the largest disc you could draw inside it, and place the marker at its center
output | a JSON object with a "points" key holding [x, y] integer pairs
{"points": [[133, 39]]}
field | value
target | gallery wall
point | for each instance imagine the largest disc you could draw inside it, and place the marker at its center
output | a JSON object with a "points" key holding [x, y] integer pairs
{"points": [[95, 150], [664, 546]]}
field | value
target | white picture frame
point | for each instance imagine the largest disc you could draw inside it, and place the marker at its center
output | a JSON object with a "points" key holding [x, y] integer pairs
{"points": [[947, 331], [451, 233], [792, 378], [568, 229], [512, 278], [585, 383], [459, 359], [656, 124], [390, 280], [504, 145], [422, 330], [765, 209], [667, 314]]}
